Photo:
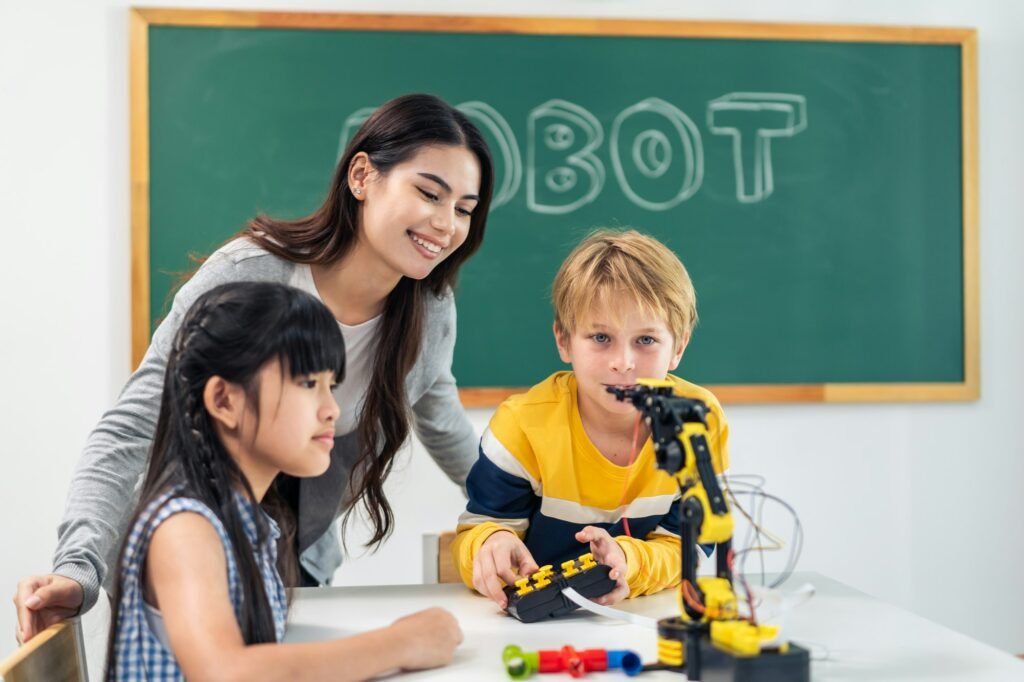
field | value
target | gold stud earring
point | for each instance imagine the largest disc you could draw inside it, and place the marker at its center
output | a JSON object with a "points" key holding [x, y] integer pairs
{"points": [[357, 190]]}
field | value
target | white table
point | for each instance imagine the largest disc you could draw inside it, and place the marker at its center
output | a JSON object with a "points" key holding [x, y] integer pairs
{"points": [[851, 636]]}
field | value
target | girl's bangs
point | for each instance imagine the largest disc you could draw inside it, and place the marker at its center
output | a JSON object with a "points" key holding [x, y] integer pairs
{"points": [[311, 341]]}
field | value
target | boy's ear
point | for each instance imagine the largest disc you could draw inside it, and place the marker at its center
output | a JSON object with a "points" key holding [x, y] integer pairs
{"points": [[562, 341], [679, 352], [224, 401]]}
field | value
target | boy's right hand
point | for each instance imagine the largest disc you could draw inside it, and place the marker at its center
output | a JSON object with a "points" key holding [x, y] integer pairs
{"points": [[426, 639], [42, 600], [503, 556]]}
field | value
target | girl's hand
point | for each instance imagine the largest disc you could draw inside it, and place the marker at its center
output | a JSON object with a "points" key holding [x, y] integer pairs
{"points": [[607, 551], [43, 600], [426, 639], [503, 556]]}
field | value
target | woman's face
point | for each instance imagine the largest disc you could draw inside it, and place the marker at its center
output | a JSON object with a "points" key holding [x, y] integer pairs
{"points": [[419, 213]]}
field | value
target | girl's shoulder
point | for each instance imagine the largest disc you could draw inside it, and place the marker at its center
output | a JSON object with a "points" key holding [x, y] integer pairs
{"points": [[170, 502]]}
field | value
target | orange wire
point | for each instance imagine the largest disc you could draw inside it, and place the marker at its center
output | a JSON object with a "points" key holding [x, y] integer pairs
{"points": [[691, 596], [634, 453]]}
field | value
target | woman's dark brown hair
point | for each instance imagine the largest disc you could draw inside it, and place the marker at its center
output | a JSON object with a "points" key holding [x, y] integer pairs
{"points": [[394, 133]]}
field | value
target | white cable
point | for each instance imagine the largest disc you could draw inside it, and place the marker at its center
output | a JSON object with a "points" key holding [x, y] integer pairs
{"points": [[607, 611]]}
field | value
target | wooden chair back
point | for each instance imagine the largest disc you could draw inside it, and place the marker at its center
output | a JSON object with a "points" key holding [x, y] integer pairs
{"points": [[56, 654], [438, 564]]}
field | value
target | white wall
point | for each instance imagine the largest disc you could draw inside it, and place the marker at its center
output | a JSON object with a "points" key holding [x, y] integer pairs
{"points": [[912, 503]]}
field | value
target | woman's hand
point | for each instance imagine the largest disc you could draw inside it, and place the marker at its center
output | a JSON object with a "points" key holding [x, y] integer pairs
{"points": [[42, 600], [606, 551], [426, 639], [503, 556]]}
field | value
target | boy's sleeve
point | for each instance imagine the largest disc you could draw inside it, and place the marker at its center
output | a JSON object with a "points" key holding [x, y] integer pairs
{"points": [[653, 563], [718, 433], [503, 495]]}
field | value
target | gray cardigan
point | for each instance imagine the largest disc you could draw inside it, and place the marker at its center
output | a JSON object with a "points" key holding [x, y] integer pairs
{"points": [[106, 483]]}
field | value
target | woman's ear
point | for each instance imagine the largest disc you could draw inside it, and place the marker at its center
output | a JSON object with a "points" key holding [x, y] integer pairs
{"points": [[679, 352], [359, 170], [224, 402]]}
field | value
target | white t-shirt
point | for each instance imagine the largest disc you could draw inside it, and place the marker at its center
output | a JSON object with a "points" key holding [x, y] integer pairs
{"points": [[359, 347]]}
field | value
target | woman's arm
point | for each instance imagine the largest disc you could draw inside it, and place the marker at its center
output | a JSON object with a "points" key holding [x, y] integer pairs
{"points": [[439, 418], [444, 429], [187, 570], [102, 492]]}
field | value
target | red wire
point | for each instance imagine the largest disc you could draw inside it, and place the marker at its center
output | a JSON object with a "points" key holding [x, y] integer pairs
{"points": [[632, 458]]}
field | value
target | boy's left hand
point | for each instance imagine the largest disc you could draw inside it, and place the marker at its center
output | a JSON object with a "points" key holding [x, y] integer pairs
{"points": [[606, 551]]}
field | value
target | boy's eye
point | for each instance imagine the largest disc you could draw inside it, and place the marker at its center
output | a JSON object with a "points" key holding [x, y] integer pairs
{"points": [[600, 338], [429, 195], [646, 340]]}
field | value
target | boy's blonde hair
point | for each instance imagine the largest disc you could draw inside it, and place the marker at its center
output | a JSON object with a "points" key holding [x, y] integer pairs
{"points": [[634, 269]]}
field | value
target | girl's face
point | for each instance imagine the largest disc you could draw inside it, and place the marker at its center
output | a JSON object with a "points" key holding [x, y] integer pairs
{"points": [[419, 213], [294, 432]]}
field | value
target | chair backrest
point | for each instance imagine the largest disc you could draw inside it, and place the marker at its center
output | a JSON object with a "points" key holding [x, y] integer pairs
{"points": [[56, 654], [438, 564]]}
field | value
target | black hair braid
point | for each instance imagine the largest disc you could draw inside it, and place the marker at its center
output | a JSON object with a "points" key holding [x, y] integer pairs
{"points": [[219, 476]]}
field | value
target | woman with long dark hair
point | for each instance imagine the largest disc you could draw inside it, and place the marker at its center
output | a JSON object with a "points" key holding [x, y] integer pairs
{"points": [[247, 395], [406, 208]]}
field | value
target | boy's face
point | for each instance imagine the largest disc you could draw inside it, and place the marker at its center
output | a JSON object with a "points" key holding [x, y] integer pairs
{"points": [[616, 346]]}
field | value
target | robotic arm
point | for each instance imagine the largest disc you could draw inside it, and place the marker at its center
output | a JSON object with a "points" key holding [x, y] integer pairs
{"points": [[709, 637], [679, 434]]}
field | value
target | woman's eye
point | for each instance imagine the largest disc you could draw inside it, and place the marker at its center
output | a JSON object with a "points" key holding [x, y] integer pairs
{"points": [[429, 195], [307, 383], [465, 213], [646, 340]]}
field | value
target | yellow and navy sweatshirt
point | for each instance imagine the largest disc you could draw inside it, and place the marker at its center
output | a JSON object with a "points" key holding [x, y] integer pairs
{"points": [[540, 476]]}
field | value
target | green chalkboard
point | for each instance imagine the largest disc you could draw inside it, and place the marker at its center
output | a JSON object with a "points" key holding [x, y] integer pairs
{"points": [[818, 182]]}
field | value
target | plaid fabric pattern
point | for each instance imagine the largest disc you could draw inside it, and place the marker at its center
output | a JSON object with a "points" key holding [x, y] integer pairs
{"points": [[139, 654]]}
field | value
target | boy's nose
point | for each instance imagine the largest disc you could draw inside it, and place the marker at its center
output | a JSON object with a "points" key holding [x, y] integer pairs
{"points": [[623, 362]]}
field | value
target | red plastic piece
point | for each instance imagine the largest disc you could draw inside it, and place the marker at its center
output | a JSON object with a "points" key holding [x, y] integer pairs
{"points": [[568, 659]]}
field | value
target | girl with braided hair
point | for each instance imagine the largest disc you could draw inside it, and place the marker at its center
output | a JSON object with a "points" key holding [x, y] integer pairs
{"points": [[406, 208], [247, 395]]}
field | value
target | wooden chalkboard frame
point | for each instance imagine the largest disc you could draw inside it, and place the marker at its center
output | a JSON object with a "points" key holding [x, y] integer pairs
{"points": [[966, 39]]}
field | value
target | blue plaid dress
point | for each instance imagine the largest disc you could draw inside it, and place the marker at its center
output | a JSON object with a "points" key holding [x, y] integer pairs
{"points": [[140, 655]]}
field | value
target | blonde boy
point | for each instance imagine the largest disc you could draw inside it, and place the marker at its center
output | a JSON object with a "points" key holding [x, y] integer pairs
{"points": [[554, 473]]}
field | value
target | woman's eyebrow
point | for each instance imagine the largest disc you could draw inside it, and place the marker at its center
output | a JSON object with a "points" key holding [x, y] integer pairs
{"points": [[446, 187]]}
